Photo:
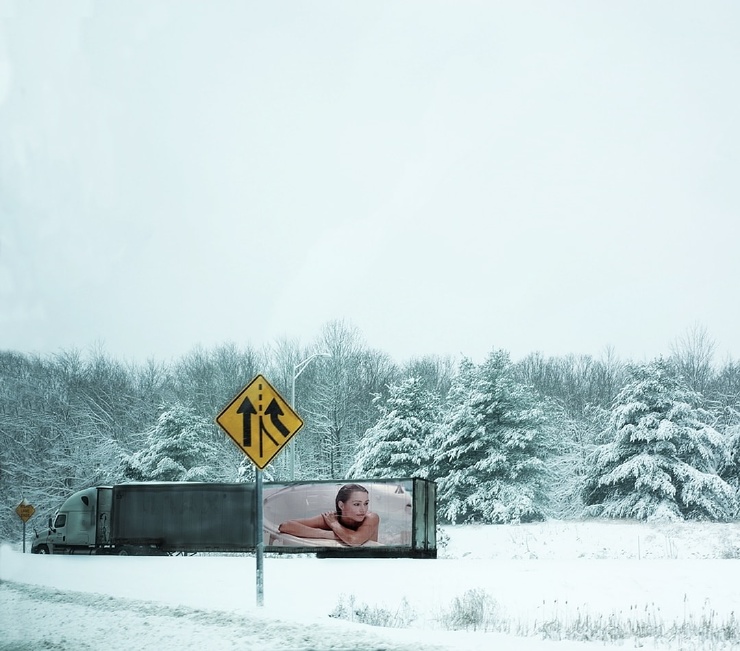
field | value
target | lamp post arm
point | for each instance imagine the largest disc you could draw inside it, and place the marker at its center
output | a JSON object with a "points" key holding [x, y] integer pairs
{"points": [[297, 370]]}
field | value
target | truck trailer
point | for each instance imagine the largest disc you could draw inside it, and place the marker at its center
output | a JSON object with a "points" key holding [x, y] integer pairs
{"points": [[152, 518]]}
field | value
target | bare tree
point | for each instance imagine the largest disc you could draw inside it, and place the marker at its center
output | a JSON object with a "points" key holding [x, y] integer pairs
{"points": [[724, 392], [576, 382], [207, 379], [692, 353], [608, 376], [340, 398], [435, 372]]}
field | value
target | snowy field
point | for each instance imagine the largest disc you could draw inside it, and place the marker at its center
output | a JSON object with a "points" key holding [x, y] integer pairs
{"points": [[557, 586]]}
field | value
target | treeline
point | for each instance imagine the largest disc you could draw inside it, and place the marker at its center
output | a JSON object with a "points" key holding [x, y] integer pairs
{"points": [[504, 440]]}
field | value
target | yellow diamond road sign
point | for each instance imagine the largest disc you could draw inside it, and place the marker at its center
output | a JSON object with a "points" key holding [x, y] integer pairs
{"points": [[259, 421], [25, 511]]}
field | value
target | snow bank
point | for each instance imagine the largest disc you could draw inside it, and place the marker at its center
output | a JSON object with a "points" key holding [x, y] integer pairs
{"points": [[536, 572]]}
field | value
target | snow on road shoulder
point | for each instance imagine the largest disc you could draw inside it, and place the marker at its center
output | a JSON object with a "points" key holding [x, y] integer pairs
{"points": [[38, 617]]}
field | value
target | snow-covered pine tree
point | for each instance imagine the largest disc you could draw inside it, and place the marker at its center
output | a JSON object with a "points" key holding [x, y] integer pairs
{"points": [[662, 457], [396, 446], [490, 451], [730, 470], [178, 448]]}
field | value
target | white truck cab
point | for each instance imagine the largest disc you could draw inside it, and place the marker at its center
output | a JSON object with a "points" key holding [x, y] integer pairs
{"points": [[78, 525]]}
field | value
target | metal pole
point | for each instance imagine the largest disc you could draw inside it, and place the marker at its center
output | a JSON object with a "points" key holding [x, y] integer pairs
{"points": [[291, 444], [24, 536], [260, 541]]}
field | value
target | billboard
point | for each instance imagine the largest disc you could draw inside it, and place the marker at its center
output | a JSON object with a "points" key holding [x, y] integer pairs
{"points": [[353, 516]]}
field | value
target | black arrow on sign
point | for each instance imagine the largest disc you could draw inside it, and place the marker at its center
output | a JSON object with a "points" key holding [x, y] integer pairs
{"points": [[273, 410], [263, 431], [247, 409]]}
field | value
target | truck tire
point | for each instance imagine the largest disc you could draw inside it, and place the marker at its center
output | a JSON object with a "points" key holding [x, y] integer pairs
{"points": [[42, 549]]}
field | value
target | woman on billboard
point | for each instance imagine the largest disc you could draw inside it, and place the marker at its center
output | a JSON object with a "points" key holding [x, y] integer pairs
{"points": [[352, 522]]}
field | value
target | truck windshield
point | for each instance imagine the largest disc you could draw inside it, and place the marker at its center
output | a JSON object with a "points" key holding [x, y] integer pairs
{"points": [[60, 521]]}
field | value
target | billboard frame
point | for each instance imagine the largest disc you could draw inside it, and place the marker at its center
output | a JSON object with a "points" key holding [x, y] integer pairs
{"points": [[423, 523]]}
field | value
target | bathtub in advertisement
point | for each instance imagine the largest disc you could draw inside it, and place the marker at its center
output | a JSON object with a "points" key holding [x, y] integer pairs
{"points": [[377, 517]]}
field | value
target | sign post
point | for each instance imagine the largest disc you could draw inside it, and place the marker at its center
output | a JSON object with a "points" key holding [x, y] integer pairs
{"points": [[260, 551], [24, 511], [261, 423]]}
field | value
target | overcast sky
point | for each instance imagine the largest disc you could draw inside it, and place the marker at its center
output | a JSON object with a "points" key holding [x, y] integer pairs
{"points": [[449, 177]]}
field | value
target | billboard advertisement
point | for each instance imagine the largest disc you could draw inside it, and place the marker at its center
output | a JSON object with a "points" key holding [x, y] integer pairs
{"points": [[339, 514]]}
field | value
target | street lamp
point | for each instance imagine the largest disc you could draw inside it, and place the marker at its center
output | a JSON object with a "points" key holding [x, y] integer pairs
{"points": [[297, 370]]}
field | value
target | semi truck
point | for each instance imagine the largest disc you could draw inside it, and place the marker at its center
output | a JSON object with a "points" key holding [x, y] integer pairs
{"points": [[152, 518]]}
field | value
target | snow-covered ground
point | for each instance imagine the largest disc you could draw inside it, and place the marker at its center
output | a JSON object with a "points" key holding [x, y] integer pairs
{"points": [[539, 582]]}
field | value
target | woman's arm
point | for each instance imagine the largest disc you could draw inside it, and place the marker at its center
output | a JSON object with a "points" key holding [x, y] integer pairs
{"points": [[307, 528], [368, 530]]}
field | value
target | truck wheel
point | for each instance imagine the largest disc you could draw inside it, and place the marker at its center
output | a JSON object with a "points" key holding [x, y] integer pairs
{"points": [[42, 549]]}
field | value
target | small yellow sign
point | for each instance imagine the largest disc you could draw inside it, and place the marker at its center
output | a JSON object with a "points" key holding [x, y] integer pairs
{"points": [[259, 421], [25, 511]]}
